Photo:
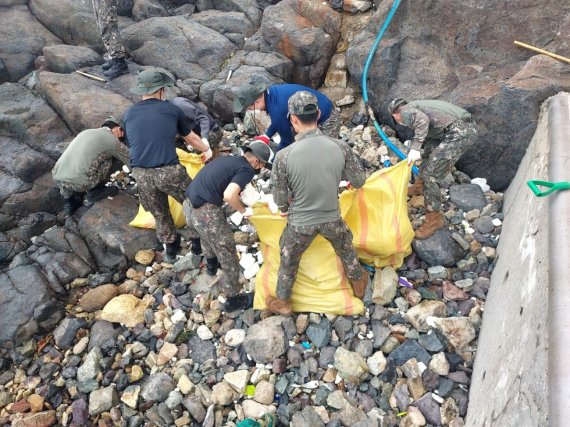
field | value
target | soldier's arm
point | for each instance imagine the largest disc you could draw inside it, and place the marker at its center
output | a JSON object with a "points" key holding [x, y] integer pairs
{"points": [[279, 182], [419, 122], [353, 169], [122, 153], [193, 140]]}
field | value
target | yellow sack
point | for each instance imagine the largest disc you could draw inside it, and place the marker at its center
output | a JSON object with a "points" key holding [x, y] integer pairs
{"points": [[193, 163], [378, 218]]}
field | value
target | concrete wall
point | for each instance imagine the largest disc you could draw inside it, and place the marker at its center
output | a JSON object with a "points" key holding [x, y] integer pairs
{"points": [[510, 383]]}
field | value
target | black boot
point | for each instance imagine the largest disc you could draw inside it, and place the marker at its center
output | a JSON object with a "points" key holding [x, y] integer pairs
{"points": [[118, 68], [107, 64], [70, 204], [212, 266], [196, 247], [239, 302], [99, 193], [172, 250]]}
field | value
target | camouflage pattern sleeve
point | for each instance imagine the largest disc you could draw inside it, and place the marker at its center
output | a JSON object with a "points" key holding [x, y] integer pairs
{"points": [[353, 169], [122, 153], [418, 121], [279, 180]]}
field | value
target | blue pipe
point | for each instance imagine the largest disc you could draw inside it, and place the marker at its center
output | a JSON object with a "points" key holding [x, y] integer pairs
{"points": [[387, 21]]}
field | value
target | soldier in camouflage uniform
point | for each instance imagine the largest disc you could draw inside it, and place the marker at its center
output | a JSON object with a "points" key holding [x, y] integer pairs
{"points": [[106, 16], [222, 180], [445, 132], [152, 126], [305, 179], [86, 164]]}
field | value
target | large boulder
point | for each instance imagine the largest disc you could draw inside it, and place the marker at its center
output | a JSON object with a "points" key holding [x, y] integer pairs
{"points": [[185, 47], [471, 62], [64, 58], [234, 25], [22, 39], [106, 224], [31, 120], [71, 20], [83, 103], [22, 161], [41, 196], [249, 8], [306, 32], [26, 303]]}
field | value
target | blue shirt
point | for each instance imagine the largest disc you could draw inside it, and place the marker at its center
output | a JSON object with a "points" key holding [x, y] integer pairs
{"points": [[210, 183], [151, 126], [276, 99]]}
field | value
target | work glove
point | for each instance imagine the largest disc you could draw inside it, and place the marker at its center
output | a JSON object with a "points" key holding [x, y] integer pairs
{"points": [[248, 212], [205, 141], [413, 156], [207, 155], [262, 138], [238, 124]]}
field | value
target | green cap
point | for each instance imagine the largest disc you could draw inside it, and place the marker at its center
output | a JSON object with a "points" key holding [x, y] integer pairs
{"points": [[395, 104], [111, 120], [149, 81], [247, 94]]}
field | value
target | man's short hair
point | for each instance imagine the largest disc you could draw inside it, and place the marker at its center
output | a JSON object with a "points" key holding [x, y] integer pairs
{"points": [[309, 118], [112, 122]]}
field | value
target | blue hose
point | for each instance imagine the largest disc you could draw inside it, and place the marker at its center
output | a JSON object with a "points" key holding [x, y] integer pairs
{"points": [[365, 87]]}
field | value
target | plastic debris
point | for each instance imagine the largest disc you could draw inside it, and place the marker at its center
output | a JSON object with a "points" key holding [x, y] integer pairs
{"points": [[404, 282]]}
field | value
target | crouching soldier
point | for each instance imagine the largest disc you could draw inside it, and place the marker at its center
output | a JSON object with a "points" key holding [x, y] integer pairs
{"points": [[305, 177], [221, 181], [445, 132], [86, 164]]}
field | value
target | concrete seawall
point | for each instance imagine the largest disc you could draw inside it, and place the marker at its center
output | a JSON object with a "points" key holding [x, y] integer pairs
{"points": [[511, 381]]}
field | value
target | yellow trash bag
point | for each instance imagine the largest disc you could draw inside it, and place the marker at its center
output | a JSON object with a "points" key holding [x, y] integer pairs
{"points": [[193, 163], [378, 218]]}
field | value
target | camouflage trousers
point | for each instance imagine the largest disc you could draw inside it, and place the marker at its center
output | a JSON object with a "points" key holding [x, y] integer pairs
{"points": [[106, 16], [155, 185], [441, 155], [331, 126], [217, 240], [296, 239], [98, 172]]}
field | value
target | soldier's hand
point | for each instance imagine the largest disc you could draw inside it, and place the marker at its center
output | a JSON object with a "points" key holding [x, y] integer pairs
{"points": [[413, 156], [207, 155]]}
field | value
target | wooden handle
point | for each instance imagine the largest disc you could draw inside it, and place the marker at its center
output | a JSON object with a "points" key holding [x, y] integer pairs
{"points": [[542, 51]]}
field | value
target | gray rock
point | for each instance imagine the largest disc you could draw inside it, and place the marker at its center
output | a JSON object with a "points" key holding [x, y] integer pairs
{"points": [[103, 335], [65, 59], [429, 409], [194, 406], [157, 387], [380, 332], [320, 334], [22, 38], [200, 351], [467, 197], [102, 400], [307, 417], [64, 334], [144, 9], [326, 357], [91, 366], [80, 413], [484, 224], [431, 342], [343, 328], [439, 249], [234, 25], [408, 350], [266, 341]]}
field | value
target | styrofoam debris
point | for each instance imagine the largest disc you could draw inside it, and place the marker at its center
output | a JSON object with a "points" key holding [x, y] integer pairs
{"points": [[236, 218], [247, 260], [481, 182], [251, 271]]}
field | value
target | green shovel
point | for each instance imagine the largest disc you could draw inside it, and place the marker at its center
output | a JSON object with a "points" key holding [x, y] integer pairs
{"points": [[550, 187]]}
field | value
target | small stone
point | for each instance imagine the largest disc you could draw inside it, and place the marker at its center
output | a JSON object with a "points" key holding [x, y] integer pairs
{"points": [[64, 334], [96, 298], [102, 400], [145, 256], [449, 411], [466, 284], [438, 272], [320, 334], [472, 215], [461, 241], [301, 323], [167, 352], [413, 418], [453, 293], [376, 363], [81, 345], [264, 393], [439, 364], [130, 396], [157, 387], [173, 400], [331, 373], [385, 285], [307, 417], [349, 364], [252, 409], [265, 341], [127, 310], [234, 337], [136, 373], [185, 385], [91, 366], [238, 379], [458, 331], [38, 419], [408, 350], [36, 402], [429, 409], [417, 315], [484, 224]]}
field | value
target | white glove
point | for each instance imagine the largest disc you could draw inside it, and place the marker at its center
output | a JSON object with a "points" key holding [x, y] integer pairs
{"points": [[413, 156], [207, 155], [248, 212], [205, 141]]}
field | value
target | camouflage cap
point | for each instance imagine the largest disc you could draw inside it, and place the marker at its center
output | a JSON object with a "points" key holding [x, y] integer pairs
{"points": [[149, 81], [301, 103], [247, 94], [395, 104]]}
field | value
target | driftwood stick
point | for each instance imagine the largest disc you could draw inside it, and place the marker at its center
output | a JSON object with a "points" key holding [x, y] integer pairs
{"points": [[91, 76], [542, 51]]}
